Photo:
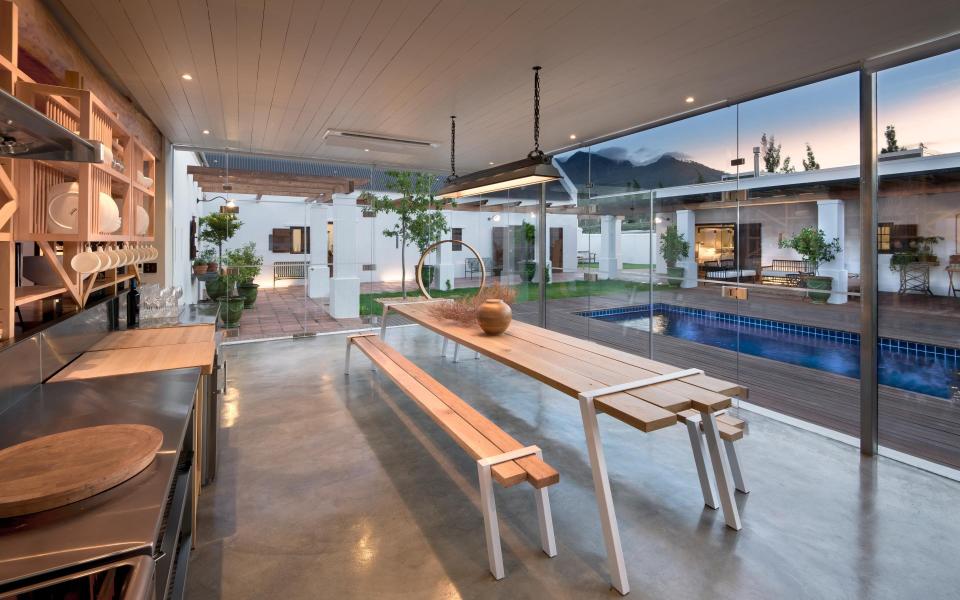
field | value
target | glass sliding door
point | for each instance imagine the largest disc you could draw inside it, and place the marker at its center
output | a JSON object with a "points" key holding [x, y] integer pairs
{"points": [[797, 249], [918, 272]]}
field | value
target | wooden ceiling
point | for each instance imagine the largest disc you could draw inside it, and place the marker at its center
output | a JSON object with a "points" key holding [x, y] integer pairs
{"points": [[275, 75]]}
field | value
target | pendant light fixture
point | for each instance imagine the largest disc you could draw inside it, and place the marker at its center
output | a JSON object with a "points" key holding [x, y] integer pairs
{"points": [[535, 168]]}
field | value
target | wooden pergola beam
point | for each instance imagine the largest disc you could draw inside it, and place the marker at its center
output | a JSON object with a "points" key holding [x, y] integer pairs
{"points": [[215, 176]]}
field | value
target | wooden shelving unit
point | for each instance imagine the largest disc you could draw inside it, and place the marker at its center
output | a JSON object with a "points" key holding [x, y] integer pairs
{"points": [[28, 182]]}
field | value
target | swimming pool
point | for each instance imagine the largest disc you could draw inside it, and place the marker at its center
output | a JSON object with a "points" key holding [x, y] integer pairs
{"points": [[931, 370]]}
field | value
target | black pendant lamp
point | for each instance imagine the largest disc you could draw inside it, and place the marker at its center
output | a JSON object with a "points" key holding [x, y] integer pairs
{"points": [[535, 168]]}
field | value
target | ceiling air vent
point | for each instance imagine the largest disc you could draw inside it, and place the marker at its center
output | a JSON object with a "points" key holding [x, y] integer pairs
{"points": [[376, 141]]}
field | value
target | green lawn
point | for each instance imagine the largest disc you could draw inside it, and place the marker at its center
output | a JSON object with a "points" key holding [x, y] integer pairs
{"points": [[526, 292], [626, 266]]}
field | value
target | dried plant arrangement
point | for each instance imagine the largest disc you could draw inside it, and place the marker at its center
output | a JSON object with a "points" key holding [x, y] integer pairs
{"points": [[464, 310]]}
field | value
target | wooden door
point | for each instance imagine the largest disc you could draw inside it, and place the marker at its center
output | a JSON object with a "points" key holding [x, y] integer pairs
{"points": [[556, 248]]}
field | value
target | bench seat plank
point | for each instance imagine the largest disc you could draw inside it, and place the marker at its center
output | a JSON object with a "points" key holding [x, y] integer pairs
{"points": [[465, 435], [539, 473]]}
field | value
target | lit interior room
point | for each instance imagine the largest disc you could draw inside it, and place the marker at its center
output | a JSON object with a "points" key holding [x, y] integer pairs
{"points": [[441, 299]]}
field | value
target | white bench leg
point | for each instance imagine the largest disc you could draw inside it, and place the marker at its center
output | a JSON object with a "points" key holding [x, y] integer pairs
{"points": [[476, 355], [548, 540], [721, 472], [696, 443], [735, 467], [601, 486], [456, 351], [443, 352], [346, 362], [491, 527]]}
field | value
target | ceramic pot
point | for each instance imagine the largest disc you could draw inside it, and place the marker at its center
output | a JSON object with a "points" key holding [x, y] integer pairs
{"points": [[494, 316], [216, 288], [248, 291], [199, 269], [819, 283], [212, 267], [676, 276], [231, 309]]}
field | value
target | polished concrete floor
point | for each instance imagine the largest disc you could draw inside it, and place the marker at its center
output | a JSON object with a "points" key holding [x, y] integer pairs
{"points": [[331, 487]]}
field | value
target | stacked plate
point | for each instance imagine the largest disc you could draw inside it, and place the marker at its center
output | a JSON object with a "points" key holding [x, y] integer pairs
{"points": [[62, 201]]}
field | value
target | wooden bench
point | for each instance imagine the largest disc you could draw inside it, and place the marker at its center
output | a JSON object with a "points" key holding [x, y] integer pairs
{"points": [[499, 456], [731, 429], [785, 272], [288, 269]]}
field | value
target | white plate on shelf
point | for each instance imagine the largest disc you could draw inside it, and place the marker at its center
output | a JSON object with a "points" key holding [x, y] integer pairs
{"points": [[62, 200], [142, 221]]}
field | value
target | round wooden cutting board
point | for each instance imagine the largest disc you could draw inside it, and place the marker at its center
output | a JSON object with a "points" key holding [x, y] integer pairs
{"points": [[58, 469]]}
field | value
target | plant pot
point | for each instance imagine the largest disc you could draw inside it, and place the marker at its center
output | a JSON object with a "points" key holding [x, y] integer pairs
{"points": [[231, 309], [494, 316], [427, 272], [216, 288], [199, 269], [529, 271], [248, 291], [212, 267], [819, 283], [676, 276]]}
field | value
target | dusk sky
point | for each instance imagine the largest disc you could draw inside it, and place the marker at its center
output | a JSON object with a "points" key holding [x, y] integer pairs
{"points": [[921, 99]]}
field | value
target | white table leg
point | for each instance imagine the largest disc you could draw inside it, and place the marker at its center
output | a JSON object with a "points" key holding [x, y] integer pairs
{"points": [[735, 467], [721, 472], [696, 443], [383, 324], [456, 351], [601, 486], [443, 352], [346, 362]]}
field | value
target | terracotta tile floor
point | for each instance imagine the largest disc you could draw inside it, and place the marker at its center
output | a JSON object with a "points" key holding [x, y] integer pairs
{"points": [[286, 311]]}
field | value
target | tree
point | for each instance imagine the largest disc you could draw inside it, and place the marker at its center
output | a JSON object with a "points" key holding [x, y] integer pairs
{"points": [[217, 228], [420, 220], [891, 135], [810, 162], [812, 245], [787, 167], [771, 153]]}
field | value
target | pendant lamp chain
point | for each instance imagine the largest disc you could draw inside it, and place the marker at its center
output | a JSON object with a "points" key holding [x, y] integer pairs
{"points": [[453, 148], [536, 153]]}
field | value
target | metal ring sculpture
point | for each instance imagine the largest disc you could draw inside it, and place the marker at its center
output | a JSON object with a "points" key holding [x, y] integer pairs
{"points": [[430, 248]]}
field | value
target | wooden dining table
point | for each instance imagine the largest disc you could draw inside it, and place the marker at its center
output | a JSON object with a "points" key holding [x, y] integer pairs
{"points": [[640, 392]]}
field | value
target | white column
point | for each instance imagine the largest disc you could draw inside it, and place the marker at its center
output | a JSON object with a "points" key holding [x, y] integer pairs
{"points": [[319, 272], [609, 255], [345, 285], [687, 227], [445, 267], [830, 221]]}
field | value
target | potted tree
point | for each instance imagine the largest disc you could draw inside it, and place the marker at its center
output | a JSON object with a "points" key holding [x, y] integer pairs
{"points": [[420, 220], [246, 264], [674, 247], [199, 265], [812, 246], [216, 229]]}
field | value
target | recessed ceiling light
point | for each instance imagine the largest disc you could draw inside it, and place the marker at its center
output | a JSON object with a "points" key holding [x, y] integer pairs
{"points": [[573, 136], [689, 99], [206, 132], [366, 149], [491, 162], [187, 76]]}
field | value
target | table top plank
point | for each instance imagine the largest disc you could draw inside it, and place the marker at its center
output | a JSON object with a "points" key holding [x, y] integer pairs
{"points": [[125, 361], [163, 336], [572, 365], [558, 371]]}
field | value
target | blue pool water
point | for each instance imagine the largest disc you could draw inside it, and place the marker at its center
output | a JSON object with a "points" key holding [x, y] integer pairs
{"points": [[931, 370]]}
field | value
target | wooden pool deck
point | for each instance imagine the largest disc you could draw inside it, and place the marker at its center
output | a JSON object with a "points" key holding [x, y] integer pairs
{"points": [[909, 422]]}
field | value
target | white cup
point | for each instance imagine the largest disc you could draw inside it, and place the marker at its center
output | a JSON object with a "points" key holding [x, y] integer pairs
{"points": [[85, 262]]}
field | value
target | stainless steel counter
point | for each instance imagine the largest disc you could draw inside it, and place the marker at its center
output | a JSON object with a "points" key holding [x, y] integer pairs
{"points": [[121, 520]]}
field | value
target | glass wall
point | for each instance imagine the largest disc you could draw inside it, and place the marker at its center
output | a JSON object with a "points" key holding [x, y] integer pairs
{"points": [[918, 112]]}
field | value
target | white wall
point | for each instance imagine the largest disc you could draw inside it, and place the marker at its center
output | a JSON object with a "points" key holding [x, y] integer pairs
{"points": [[634, 245], [183, 206]]}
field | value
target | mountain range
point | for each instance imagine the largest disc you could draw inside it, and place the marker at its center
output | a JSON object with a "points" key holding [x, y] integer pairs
{"points": [[666, 171]]}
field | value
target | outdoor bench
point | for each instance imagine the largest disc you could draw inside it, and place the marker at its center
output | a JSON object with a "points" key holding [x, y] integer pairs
{"points": [[292, 269]]}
